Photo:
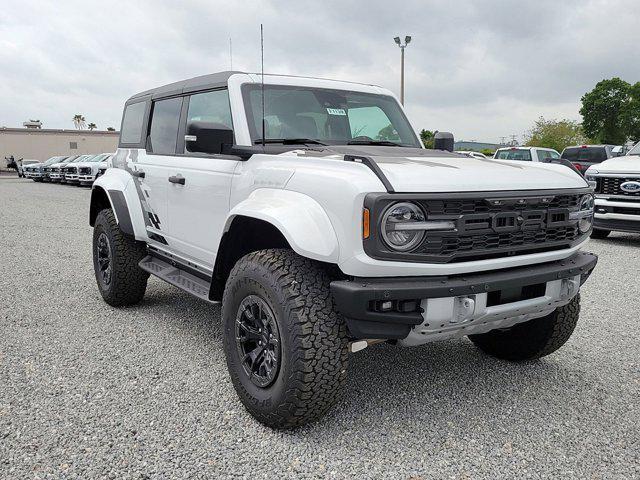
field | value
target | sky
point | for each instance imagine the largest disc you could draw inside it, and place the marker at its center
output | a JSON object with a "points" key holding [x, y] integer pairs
{"points": [[481, 69]]}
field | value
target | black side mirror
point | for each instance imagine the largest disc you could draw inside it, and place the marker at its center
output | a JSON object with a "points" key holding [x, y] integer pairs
{"points": [[207, 137], [443, 141]]}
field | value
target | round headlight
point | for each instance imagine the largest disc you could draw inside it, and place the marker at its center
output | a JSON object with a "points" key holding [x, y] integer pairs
{"points": [[586, 211], [399, 226]]}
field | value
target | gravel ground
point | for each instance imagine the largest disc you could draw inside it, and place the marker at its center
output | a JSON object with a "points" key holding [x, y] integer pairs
{"points": [[89, 391]]}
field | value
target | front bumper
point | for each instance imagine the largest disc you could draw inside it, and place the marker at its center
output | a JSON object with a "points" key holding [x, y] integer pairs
{"points": [[86, 179], [620, 215], [450, 304]]}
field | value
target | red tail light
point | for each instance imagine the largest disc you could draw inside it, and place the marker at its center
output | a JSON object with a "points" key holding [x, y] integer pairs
{"points": [[578, 166]]}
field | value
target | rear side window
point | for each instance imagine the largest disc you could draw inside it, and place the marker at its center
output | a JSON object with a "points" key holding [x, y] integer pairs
{"points": [[514, 155], [585, 154], [165, 118], [132, 120]]}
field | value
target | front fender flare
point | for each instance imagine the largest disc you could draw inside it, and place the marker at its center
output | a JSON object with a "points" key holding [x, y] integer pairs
{"points": [[301, 220]]}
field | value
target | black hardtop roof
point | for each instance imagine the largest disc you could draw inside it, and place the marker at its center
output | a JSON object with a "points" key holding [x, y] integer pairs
{"points": [[202, 82], [213, 80]]}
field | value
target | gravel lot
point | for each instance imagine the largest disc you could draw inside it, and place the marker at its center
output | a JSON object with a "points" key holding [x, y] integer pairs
{"points": [[89, 391]]}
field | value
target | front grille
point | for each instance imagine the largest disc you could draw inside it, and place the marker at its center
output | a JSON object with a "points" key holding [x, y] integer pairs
{"points": [[611, 186], [480, 205], [84, 170], [70, 170], [480, 246], [492, 226]]}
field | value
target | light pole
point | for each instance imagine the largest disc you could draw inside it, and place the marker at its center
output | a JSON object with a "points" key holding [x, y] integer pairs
{"points": [[402, 46]]}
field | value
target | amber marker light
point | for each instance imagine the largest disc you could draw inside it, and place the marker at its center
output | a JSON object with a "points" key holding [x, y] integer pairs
{"points": [[365, 223]]}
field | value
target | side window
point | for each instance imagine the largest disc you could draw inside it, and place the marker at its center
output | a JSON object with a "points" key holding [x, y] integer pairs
{"points": [[163, 134], [132, 120], [210, 107], [543, 155]]}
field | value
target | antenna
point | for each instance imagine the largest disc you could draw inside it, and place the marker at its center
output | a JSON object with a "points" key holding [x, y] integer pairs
{"points": [[230, 54], [262, 75]]}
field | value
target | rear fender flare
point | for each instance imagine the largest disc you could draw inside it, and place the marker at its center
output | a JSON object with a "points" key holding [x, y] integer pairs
{"points": [[119, 188]]}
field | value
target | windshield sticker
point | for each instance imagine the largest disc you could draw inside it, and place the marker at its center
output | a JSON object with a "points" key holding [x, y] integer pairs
{"points": [[336, 111]]}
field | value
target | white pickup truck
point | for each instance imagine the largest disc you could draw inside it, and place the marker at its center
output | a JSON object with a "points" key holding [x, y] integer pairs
{"points": [[311, 210], [616, 183]]}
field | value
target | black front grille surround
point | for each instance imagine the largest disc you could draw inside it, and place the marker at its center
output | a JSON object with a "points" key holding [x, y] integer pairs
{"points": [[611, 186], [488, 224]]}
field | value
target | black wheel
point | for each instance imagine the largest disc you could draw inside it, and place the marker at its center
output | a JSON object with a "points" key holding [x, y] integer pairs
{"points": [[285, 344], [597, 233], [533, 339], [115, 260]]}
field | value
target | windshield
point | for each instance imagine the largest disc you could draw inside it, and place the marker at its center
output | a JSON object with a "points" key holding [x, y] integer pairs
{"points": [[635, 150], [513, 154], [334, 117], [585, 154], [98, 158], [53, 160]]}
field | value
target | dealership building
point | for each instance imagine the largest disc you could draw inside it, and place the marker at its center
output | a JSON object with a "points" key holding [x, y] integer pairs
{"points": [[43, 143]]}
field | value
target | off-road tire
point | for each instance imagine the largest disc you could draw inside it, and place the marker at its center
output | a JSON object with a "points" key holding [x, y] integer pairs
{"points": [[533, 339], [313, 337], [128, 281], [599, 234]]}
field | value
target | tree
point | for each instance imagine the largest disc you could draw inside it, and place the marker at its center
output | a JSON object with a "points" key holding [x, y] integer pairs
{"points": [[92, 126], [631, 113], [556, 134], [603, 111], [427, 138], [388, 133], [111, 129], [79, 121]]}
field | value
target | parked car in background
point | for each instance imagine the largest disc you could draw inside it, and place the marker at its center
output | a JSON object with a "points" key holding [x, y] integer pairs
{"points": [[616, 183], [36, 171], [527, 154], [583, 156], [89, 170], [21, 164], [70, 170], [55, 169], [46, 170], [472, 154]]}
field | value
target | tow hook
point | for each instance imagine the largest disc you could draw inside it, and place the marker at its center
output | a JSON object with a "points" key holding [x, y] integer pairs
{"points": [[569, 287]]}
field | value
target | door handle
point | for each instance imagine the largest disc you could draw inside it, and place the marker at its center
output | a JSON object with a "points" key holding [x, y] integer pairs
{"points": [[176, 179], [138, 173]]}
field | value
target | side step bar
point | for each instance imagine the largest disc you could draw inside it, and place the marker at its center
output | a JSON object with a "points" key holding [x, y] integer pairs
{"points": [[196, 286]]}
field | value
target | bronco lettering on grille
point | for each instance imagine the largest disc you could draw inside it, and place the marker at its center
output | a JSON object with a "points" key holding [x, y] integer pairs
{"points": [[516, 221]]}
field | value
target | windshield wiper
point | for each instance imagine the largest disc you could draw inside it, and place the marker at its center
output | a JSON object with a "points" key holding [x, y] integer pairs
{"points": [[384, 143], [289, 141]]}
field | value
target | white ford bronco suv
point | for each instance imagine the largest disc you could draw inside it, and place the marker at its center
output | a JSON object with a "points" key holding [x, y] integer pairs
{"points": [[311, 210]]}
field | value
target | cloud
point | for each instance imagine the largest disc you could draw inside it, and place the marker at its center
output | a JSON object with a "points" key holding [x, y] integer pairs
{"points": [[481, 69]]}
